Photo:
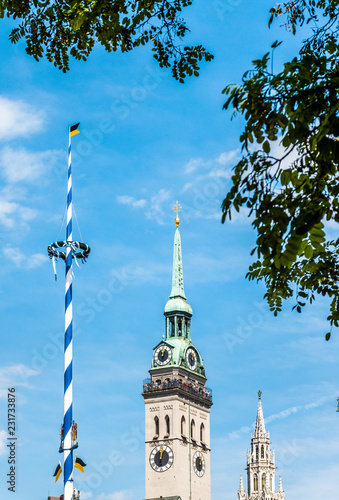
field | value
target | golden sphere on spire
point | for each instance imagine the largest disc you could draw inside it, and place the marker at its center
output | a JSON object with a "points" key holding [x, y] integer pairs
{"points": [[177, 207]]}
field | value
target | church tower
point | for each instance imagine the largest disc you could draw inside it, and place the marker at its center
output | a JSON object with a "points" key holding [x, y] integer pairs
{"points": [[177, 404], [260, 465]]}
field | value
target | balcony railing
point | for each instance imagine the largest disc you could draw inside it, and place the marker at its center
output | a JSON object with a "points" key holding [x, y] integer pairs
{"points": [[203, 393]]}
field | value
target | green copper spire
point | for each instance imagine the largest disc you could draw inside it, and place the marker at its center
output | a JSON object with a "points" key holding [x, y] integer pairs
{"points": [[177, 276], [177, 300], [178, 314]]}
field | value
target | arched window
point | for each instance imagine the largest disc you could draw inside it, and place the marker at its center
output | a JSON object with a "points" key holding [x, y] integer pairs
{"points": [[180, 328], [156, 426], [262, 451], [257, 452], [167, 422], [192, 429], [271, 482], [172, 327], [255, 482], [263, 481], [183, 426], [202, 433]]}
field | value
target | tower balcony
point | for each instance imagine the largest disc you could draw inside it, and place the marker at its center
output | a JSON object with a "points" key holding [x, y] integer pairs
{"points": [[176, 386]]}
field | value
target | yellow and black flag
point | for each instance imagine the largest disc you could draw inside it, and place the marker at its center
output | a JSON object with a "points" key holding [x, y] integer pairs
{"points": [[79, 464], [73, 130], [57, 472]]}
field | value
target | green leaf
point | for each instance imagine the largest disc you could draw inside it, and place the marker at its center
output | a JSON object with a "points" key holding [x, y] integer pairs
{"points": [[308, 252], [266, 147], [285, 177]]}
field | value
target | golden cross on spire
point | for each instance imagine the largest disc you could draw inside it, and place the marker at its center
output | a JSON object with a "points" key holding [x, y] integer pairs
{"points": [[177, 207]]}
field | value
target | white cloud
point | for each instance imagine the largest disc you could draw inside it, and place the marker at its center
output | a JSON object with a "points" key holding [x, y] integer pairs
{"points": [[278, 151], [7, 210], [137, 274], [3, 442], [282, 415], [129, 200], [85, 495], [204, 191], [13, 376], [24, 261], [156, 210], [116, 495], [207, 186], [225, 158], [222, 159], [18, 119], [12, 213], [21, 165], [193, 164]]}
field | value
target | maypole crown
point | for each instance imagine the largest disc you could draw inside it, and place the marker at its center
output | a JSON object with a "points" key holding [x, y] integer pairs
{"points": [[177, 207], [55, 254], [85, 250]]}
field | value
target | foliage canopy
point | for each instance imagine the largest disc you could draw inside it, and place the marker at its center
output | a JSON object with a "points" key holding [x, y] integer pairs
{"points": [[71, 28], [288, 175]]}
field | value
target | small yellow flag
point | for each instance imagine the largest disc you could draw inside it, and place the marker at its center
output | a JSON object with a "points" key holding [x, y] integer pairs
{"points": [[73, 130], [79, 464], [57, 472]]}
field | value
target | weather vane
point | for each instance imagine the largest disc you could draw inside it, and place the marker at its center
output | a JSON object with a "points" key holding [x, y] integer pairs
{"points": [[177, 207], [259, 394]]}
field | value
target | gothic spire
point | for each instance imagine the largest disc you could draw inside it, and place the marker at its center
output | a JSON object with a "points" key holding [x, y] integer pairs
{"points": [[261, 464], [260, 423], [241, 486], [280, 485]]}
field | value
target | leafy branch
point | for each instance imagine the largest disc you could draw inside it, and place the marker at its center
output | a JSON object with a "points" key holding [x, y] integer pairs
{"points": [[288, 175], [60, 29]]}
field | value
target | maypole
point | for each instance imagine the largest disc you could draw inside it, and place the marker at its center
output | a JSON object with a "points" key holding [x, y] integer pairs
{"points": [[68, 432]]}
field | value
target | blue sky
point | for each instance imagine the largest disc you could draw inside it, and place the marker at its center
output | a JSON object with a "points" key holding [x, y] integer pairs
{"points": [[146, 142]]}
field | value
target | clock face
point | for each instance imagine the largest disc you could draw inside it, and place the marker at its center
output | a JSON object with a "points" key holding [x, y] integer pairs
{"points": [[199, 464], [163, 355], [191, 358], [161, 458]]}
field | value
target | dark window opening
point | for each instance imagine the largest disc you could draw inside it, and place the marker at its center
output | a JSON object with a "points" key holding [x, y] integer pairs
{"points": [[183, 426], [156, 426], [167, 421]]}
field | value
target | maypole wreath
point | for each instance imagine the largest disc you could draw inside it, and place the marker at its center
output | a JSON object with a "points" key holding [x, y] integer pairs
{"points": [[55, 254]]}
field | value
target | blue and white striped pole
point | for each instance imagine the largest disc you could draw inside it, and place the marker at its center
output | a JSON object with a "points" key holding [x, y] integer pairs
{"points": [[68, 358], [67, 251]]}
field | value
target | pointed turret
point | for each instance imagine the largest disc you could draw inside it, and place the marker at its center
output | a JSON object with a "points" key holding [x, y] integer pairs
{"points": [[260, 422], [241, 491], [280, 492], [280, 485], [261, 463]]}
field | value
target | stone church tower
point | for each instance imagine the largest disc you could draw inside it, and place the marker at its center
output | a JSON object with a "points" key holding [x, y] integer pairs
{"points": [[260, 465], [177, 405]]}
